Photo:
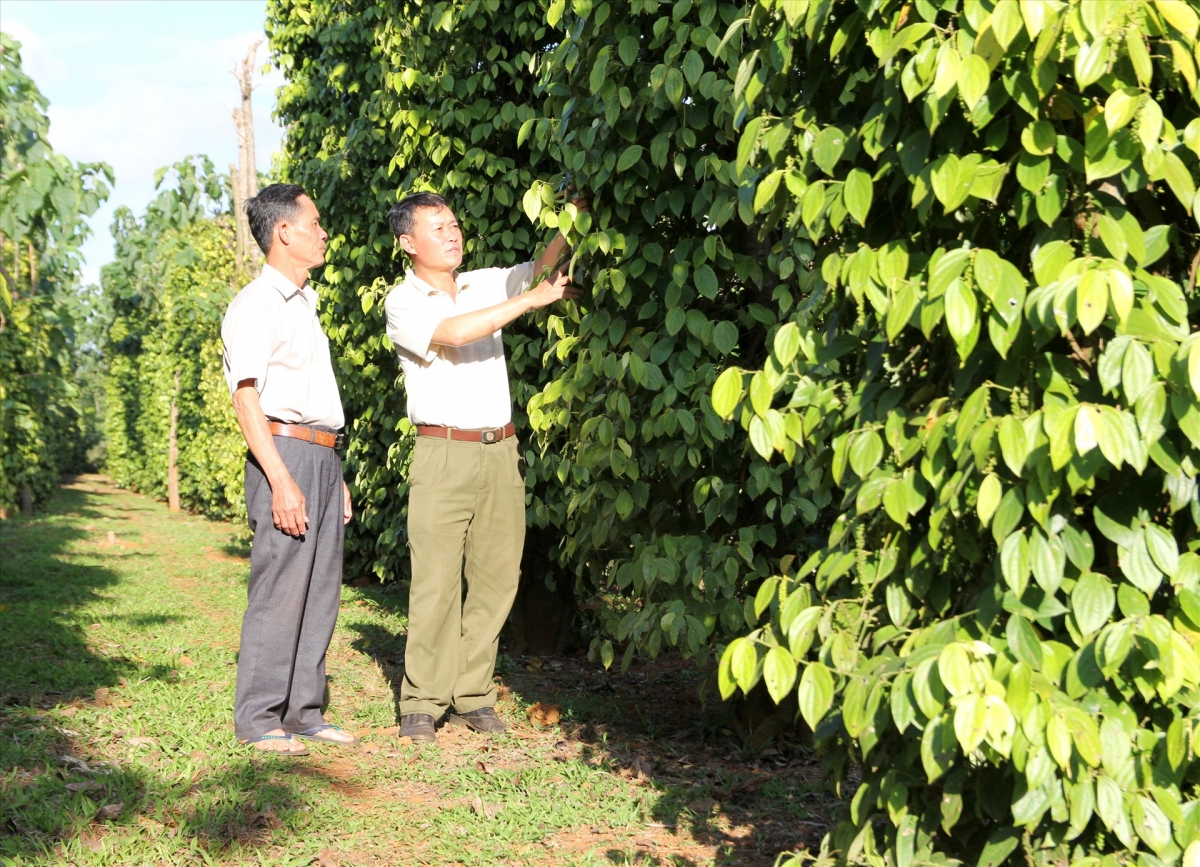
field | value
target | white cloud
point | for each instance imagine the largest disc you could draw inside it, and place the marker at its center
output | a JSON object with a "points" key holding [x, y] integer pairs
{"points": [[142, 104], [36, 57]]}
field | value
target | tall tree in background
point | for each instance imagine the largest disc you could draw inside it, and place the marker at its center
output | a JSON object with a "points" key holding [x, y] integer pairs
{"points": [[172, 277], [244, 176]]}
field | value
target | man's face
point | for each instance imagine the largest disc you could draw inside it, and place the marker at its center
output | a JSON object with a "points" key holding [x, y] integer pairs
{"points": [[304, 236], [436, 239]]}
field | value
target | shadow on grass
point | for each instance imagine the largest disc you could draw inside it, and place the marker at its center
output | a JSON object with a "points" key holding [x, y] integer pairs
{"points": [[57, 801], [44, 652], [748, 793], [47, 661]]}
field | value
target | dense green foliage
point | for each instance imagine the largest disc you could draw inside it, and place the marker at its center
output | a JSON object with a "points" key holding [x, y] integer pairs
{"points": [[939, 251], [632, 490], [995, 371], [45, 423], [165, 293], [364, 119]]}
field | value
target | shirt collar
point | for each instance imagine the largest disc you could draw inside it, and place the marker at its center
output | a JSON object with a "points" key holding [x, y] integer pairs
{"points": [[426, 289], [283, 285]]}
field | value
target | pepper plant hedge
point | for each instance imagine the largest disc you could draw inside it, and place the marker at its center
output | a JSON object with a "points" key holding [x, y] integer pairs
{"points": [[165, 293], [46, 424], [932, 258], [637, 493], [994, 370]]}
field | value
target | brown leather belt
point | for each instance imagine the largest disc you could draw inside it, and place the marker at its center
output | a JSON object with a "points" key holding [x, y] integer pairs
{"points": [[308, 434], [487, 437]]}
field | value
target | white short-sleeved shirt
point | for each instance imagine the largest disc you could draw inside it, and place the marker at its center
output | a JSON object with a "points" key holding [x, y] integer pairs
{"points": [[454, 386], [272, 335]]}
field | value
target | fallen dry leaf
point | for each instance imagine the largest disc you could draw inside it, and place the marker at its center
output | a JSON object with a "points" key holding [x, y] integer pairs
{"points": [[639, 769], [68, 711], [185, 661], [86, 786], [267, 819], [101, 696], [370, 749], [487, 811], [406, 741], [484, 767], [198, 755], [325, 858], [543, 714], [110, 811], [143, 742]]}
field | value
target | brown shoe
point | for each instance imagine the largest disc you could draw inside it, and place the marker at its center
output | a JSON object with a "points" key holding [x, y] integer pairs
{"points": [[419, 727], [482, 720]]}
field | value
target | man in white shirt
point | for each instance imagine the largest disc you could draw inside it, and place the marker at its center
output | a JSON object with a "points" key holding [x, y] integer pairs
{"points": [[466, 489], [280, 374]]}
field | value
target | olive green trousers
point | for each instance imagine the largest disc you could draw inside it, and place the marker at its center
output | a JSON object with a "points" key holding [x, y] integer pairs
{"points": [[466, 505]]}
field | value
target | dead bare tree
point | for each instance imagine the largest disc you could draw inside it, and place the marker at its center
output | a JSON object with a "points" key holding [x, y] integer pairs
{"points": [[244, 175]]}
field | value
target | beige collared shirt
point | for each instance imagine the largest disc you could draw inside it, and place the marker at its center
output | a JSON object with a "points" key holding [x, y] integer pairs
{"points": [[273, 336], [465, 386]]}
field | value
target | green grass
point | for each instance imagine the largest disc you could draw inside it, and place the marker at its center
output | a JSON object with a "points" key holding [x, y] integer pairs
{"points": [[119, 626]]}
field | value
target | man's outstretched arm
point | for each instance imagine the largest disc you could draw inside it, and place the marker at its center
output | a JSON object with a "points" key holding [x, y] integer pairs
{"points": [[470, 327]]}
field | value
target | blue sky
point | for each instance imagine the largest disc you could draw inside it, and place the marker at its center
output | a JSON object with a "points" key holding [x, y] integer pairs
{"points": [[141, 84]]}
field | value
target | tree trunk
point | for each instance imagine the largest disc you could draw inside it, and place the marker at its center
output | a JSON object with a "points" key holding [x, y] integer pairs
{"points": [[173, 452], [26, 500], [244, 179], [240, 223]]}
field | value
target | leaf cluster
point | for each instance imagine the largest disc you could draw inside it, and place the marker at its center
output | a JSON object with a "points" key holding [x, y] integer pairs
{"points": [[995, 372]]}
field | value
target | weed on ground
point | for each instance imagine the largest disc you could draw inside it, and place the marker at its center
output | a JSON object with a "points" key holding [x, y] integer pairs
{"points": [[119, 626]]}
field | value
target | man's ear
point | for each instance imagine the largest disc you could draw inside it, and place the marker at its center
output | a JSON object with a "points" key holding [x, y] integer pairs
{"points": [[283, 232], [407, 245]]}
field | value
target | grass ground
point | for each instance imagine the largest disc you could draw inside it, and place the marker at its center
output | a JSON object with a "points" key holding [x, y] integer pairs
{"points": [[119, 630]]}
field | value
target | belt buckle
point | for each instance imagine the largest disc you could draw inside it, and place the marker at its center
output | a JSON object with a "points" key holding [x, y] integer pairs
{"points": [[488, 437]]}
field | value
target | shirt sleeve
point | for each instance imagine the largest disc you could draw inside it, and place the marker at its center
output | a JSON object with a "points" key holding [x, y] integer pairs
{"points": [[518, 279], [411, 320], [248, 333]]}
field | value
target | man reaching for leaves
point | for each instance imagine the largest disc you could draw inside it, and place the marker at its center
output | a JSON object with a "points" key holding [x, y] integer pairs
{"points": [[466, 490]]}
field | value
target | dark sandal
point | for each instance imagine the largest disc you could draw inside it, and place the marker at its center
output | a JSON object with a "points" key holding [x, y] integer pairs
{"points": [[314, 734], [261, 738]]}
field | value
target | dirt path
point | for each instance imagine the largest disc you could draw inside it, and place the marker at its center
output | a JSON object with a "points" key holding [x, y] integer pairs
{"points": [[122, 623]]}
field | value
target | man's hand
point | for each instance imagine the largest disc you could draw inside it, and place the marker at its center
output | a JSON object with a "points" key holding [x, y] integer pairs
{"points": [[556, 288], [579, 201], [287, 501], [347, 507], [287, 507]]}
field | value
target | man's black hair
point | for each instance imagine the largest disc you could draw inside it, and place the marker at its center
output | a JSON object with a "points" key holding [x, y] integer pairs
{"points": [[403, 214], [271, 206]]}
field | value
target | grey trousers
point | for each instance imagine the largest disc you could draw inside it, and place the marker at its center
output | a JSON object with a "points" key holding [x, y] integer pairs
{"points": [[293, 596]]}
